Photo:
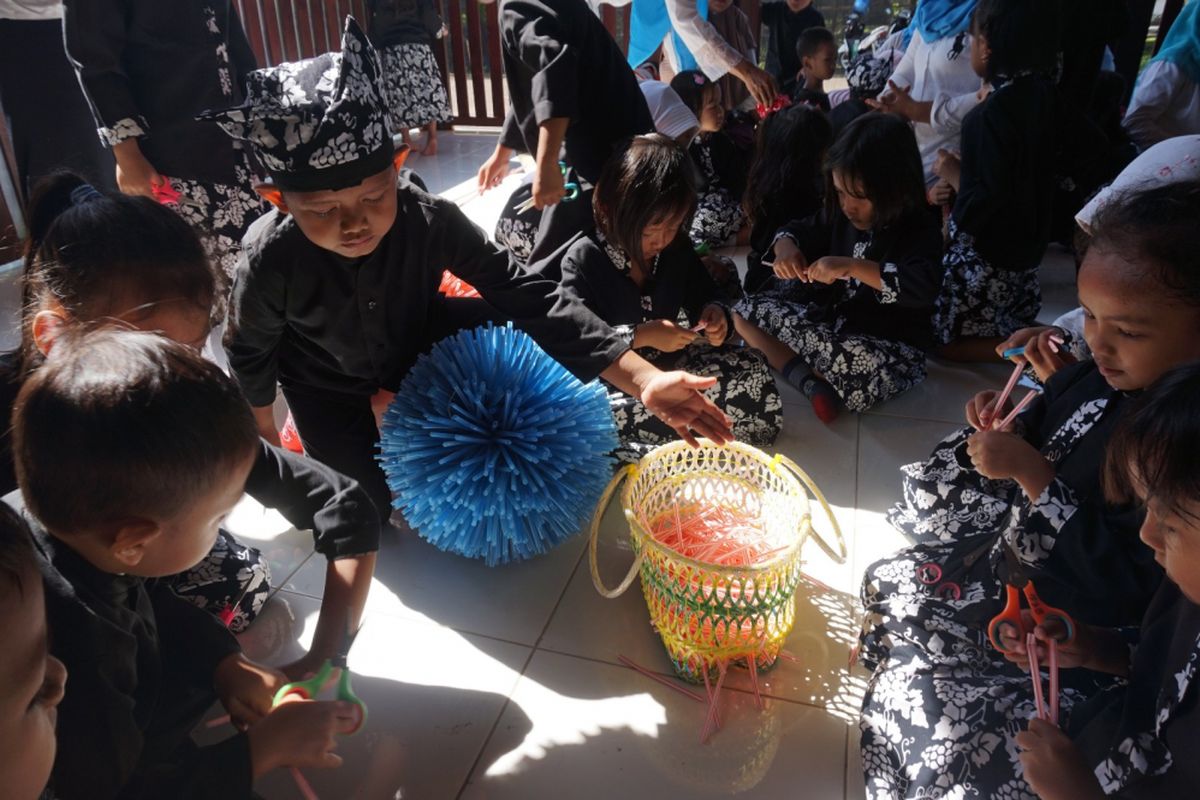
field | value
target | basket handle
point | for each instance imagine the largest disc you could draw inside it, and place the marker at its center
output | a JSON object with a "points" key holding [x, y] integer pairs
{"points": [[794, 468], [594, 535]]}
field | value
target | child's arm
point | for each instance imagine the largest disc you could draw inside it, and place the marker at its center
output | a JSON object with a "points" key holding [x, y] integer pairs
{"points": [[548, 182], [346, 530], [1152, 98], [257, 318]]}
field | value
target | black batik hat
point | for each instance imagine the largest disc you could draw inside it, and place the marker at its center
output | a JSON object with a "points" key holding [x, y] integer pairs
{"points": [[318, 124]]}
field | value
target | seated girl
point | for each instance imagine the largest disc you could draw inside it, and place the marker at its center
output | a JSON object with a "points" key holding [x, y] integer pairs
{"points": [[1140, 739], [144, 268], [942, 700], [848, 315], [639, 273]]}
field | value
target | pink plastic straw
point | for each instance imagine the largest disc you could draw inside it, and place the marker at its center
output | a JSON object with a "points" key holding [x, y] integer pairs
{"points": [[1054, 681], [1008, 388], [714, 715], [1012, 415], [751, 662], [658, 678], [1035, 672], [218, 721], [303, 785]]}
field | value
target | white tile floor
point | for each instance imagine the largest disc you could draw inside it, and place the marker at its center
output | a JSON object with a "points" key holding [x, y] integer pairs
{"points": [[505, 683]]}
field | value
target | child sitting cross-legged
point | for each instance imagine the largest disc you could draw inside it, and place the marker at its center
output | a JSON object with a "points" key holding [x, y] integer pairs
{"points": [[130, 450]]}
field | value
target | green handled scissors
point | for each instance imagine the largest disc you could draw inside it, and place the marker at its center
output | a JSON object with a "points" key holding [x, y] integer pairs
{"points": [[309, 689], [571, 186]]}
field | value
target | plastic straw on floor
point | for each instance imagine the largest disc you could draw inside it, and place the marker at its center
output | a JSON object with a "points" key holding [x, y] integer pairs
{"points": [[670, 685]]}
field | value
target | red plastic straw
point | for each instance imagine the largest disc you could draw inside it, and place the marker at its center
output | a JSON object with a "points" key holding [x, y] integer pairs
{"points": [[658, 678]]}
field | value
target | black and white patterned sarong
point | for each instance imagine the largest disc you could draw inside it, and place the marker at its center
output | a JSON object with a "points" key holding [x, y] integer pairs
{"points": [[412, 87], [745, 390], [980, 301], [231, 573], [516, 231]]}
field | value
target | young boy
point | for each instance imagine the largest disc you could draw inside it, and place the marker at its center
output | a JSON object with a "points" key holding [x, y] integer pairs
{"points": [[130, 450], [337, 293], [817, 53], [33, 680], [785, 22]]}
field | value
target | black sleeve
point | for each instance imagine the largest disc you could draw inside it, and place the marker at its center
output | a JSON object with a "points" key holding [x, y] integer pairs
{"points": [[990, 143], [315, 497], [543, 45], [257, 318], [813, 235], [561, 324], [911, 271], [431, 20], [699, 287], [577, 278], [510, 133], [94, 34], [191, 640]]}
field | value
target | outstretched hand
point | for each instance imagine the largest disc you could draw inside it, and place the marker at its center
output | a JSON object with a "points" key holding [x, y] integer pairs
{"points": [[676, 398]]}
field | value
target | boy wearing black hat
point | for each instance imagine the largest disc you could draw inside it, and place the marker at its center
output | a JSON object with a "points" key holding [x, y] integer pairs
{"points": [[336, 294]]}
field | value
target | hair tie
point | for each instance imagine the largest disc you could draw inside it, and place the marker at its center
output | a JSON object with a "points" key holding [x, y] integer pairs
{"points": [[699, 79], [84, 193]]}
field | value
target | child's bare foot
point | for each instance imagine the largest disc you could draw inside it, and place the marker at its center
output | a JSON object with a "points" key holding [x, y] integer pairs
{"points": [[430, 148]]}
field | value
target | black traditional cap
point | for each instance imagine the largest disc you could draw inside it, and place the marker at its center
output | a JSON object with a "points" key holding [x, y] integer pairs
{"points": [[318, 124]]}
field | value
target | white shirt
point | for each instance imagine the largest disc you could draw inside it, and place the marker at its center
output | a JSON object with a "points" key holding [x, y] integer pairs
{"points": [[30, 9], [1165, 103], [935, 73], [713, 54]]}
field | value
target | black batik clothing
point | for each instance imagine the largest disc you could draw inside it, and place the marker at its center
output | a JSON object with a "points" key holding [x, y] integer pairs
{"points": [[719, 215], [797, 199], [1143, 736], [783, 30], [943, 706], [149, 67], [678, 288], [141, 663], [396, 22], [560, 61]]}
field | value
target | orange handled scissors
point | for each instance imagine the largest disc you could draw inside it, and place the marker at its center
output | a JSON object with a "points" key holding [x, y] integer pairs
{"points": [[1010, 622], [310, 688]]}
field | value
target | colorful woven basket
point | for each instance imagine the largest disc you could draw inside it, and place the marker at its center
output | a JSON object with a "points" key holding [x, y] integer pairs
{"points": [[708, 614]]}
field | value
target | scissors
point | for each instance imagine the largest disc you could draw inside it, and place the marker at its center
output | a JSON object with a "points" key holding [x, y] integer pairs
{"points": [[1010, 617], [572, 191], [310, 688]]}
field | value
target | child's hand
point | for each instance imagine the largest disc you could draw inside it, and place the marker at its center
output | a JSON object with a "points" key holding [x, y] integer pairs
{"points": [[1075, 653], [941, 194], [662, 334], [135, 174], [549, 185], [980, 411], [300, 733], [246, 689], [1054, 766], [948, 167], [829, 269], [495, 169], [1000, 454], [1040, 353], [714, 325]]}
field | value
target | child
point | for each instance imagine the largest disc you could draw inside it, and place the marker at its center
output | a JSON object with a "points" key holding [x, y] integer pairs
{"points": [[1032, 489], [143, 268], [1000, 223], [785, 181], [785, 22], [147, 68], [866, 77], [404, 32], [33, 680], [130, 450], [640, 275], [862, 337], [722, 169], [338, 293], [816, 51], [1139, 740], [734, 27], [1166, 99], [571, 91]]}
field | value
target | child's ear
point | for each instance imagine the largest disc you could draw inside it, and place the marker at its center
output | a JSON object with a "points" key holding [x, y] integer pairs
{"points": [[129, 539], [272, 194], [47, 325], [401, 156]]}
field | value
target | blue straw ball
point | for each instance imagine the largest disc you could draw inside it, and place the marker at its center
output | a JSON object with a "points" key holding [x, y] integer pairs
{"points": [[493, 449]]}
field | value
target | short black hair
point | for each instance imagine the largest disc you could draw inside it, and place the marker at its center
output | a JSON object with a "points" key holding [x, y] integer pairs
{"points": [[690, 85], [1022, 35], [89, 250], [16, 551], [811, 40], [1156, 229], [879, 152], [1154, 447], [647, 179], [119, 424]]}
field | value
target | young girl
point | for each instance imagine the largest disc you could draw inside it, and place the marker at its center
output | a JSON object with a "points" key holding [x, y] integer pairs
{"points": [[404, 33], [143, 268], [1140, 739], [722, 168], [1000, 223], [638, 273], [863, 335], [785, 181], [942, 700]]}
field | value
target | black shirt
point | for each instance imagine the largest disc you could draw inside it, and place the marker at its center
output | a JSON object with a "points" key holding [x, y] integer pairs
{"points": [[403, 22], [560, 61], [909, 254], [141, 662], [157, 62], [783, 29], [1006, 189], [305, 317]]}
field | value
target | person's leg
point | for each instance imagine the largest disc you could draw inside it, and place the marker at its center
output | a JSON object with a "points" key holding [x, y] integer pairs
{"points": [[516, 231], [430, 148], [339, 430]]}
